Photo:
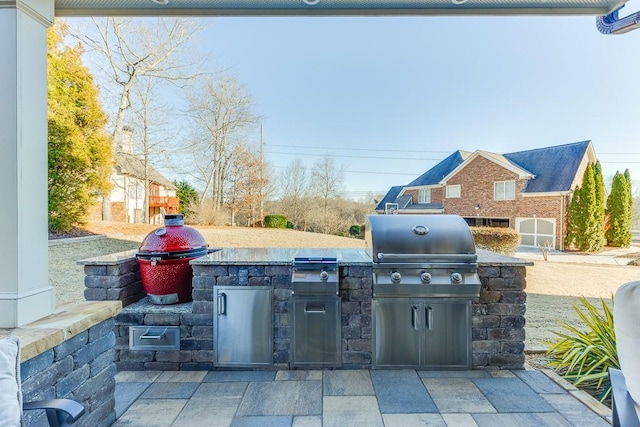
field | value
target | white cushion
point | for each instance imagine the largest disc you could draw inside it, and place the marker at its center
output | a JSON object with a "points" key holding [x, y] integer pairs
{"points": [[626, 315], [10, 393]]}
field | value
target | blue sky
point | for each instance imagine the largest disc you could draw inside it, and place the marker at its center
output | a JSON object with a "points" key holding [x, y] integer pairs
{"points": [[423, 87]]}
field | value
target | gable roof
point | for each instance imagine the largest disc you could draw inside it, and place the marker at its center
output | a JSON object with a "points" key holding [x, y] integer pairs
{"points": [[390, 197], [133, 166], [555, 167], [499, 159], [434, 175]]}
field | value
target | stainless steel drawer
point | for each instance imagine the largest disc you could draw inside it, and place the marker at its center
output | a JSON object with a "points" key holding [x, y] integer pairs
{"points": [[154, 337]]}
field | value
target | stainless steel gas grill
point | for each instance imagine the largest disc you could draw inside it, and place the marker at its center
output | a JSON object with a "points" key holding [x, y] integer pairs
{"points": [[316, 340], [424, 280]]}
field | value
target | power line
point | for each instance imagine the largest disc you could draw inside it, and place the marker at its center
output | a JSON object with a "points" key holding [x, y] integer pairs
{"points": [[365, 172], [351, 156], [358, 149]]}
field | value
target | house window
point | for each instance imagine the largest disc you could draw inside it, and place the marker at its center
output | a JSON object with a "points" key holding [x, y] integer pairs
{"points": [[504, 190], [453, 191], [424, 195]]}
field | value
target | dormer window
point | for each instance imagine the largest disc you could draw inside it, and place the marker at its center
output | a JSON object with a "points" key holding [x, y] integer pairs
{"points": [[504, 190], [424, 195]]}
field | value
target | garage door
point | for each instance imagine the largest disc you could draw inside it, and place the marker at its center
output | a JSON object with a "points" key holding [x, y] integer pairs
{"points": [[536, 231]]}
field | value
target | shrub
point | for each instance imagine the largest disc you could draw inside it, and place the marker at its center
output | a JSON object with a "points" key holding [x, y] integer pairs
{"points": [[496, 239], [354, 230], [275, 221], [584, 357], [290, 225]]}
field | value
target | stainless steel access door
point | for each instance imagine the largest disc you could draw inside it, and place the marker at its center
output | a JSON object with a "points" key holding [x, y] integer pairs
{"points": [[242, 326], [316, 331], [421, 333], [397, 332], [447, 330]]}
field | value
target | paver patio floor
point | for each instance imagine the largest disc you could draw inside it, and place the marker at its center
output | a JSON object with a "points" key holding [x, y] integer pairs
{"points": [[315, 398]]}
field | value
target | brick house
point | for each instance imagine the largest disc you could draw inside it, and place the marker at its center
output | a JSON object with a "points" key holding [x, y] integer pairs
{"points": [[528, 191]]}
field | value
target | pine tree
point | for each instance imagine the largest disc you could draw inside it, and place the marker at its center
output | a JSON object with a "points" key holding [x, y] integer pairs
{"points": [[619, 211], [79, 149]]}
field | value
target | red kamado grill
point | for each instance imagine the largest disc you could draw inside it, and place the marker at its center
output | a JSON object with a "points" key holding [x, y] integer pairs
{"points": [[164, 257]]}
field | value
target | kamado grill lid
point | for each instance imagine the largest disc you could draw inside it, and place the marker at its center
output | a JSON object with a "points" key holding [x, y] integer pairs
{"points": [[174, 240], [420, 238]]}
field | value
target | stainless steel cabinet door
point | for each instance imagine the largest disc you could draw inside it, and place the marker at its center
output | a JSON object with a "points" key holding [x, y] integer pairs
{"points": [[398, 333], [447, 335], [242, 326], [316, 332]]}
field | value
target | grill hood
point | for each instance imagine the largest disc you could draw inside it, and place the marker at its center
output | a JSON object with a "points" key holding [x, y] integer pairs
{"points": [[420, 238]]}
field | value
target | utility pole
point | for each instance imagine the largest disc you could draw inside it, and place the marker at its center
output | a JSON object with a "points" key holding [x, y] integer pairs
{"points": [[261, 175]]}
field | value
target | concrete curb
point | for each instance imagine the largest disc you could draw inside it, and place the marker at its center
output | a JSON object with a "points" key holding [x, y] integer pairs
{"points": [[56, 242], [592, 403]]}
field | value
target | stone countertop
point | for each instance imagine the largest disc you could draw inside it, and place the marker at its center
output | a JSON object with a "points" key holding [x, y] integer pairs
{"points": [[348, 256], [67, 321], [281, 256]]}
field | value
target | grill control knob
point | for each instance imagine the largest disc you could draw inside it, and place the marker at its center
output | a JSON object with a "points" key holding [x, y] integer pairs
{"points": [[425, 277], [456, 277], [396, 277], [324, 276]]}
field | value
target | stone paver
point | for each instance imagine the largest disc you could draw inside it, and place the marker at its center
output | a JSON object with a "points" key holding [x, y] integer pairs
{"points": [[401, 391], [282, 398], [126, 394], [347, 383], [511, 395], [327, 398], [413, 420], [457, 395], [539, 382], [170, 390], [341, 411], [152, 413]]}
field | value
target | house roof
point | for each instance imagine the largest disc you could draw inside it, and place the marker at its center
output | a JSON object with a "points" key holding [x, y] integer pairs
{"points": [[390, 197], [442, 169], [554, 168], [549, 169], [499, 159], [131, 165]]}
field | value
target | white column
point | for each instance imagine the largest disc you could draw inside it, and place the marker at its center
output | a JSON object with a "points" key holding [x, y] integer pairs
{"points": [[25, 292]]}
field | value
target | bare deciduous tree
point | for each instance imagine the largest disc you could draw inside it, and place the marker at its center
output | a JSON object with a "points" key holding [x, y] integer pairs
{"points": [[245, 185], [221, 115], [129, 49], [327, 182]]}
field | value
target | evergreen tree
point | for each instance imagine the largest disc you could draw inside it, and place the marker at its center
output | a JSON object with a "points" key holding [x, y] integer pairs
{"points": [[79, 150], [586, 220], [600, 202], [188, 196], [575, 218], [619, 211]]}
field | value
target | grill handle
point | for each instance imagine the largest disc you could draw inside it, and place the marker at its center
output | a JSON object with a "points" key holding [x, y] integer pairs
{"points": [[429, 315], [415, 318], [428, 257], [222, 303]]}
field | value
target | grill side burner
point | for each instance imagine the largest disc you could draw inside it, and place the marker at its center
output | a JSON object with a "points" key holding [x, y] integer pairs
{"points": [[424, 280], [316, 307]]}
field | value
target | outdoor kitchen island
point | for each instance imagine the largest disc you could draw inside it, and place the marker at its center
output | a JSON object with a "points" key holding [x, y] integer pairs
{"points": [[498, 316]]}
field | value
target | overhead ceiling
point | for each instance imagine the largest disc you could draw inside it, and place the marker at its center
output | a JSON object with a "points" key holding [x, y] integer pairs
{"points": [[334, 7]]}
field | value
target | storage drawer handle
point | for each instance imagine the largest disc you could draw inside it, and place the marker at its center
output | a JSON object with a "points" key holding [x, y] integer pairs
{"points": [[148, 335], [315, 310], [429, 313]]}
